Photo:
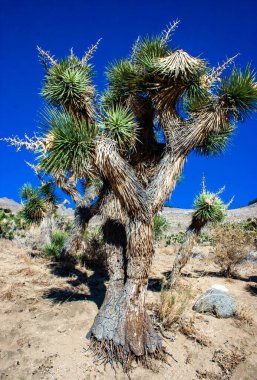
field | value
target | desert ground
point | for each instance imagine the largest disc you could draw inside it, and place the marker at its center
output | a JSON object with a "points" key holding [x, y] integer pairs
{"points": [[47, 310]]}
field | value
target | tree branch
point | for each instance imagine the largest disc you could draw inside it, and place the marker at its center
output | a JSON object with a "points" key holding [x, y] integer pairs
{"points": [[122, 179]]}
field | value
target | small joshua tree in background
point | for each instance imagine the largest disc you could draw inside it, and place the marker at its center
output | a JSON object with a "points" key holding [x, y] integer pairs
{"points": [[39, 206], [208, 208]]}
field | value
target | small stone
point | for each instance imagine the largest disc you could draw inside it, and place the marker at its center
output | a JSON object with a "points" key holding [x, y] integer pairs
{"points": [[217, 303]]}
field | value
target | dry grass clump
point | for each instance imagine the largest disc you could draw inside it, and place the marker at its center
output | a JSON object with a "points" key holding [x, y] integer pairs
{"points": [[188, 329], [243, 316], [8, 293], [232, 244], [172, 306], [228, 360]]}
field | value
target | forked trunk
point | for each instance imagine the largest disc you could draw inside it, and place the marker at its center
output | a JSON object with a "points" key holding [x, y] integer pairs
{"points": [[183, 256], [122, 330]]}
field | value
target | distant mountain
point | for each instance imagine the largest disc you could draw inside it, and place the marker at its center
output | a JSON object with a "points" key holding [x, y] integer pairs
{"points": [[10, 204]]}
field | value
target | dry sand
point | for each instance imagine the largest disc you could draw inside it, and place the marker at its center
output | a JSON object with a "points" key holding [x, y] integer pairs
{"points": [[46, 312]]}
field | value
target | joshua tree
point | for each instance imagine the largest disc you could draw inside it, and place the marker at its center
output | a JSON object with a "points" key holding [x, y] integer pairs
{"points": [[208, 208], [116, 139], [39, 206]]}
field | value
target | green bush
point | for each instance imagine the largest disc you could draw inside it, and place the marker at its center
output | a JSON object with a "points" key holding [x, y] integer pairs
{"points": [[10, 223], [161, 225], [175, 238], [204, 238], [54, 249]]}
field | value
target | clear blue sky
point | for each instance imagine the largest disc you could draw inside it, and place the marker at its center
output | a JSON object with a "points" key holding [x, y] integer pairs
{"points": [[213, 29]]}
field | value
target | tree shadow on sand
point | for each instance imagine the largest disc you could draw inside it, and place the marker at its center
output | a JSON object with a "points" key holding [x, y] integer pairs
{"points": [[74, 278]]}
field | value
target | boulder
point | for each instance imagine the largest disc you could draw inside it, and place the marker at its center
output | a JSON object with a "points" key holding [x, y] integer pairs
{"points": [[216, 302], [252, 256]]}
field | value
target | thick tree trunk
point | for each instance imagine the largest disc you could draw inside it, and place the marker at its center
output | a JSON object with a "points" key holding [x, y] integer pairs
{"points": [[122, 330], [183, 256]]}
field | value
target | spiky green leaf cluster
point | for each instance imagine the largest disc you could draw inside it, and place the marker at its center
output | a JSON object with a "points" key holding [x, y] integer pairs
{"points": [[123, 79], [36, 201], [119, 124], [71, 141], [239, 91], [147, 50], [27, 191], [215, 143], [208, 208], [68, 83], [54, 249], [34, 209], [47, 192]]}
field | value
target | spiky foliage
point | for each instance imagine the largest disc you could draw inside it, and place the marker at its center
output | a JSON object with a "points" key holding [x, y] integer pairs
{"points": [[54, 249], [27, 191], [239, 91], [209, 208], [148, 49], [34, 209], [123, 79], [216, 143], [48, 193], [68, 83], [119, 124], [71, 142], [37, 200]]}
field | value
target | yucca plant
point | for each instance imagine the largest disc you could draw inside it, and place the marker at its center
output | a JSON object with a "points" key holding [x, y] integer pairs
{"points": [[208, 209], [39, 206], [53, 250], [157, 88], [68, 84], [118, 124]]}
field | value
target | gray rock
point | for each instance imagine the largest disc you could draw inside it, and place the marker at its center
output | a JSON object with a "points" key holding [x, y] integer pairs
{"points": [[252, 256], [197, 253], [215, 302]]}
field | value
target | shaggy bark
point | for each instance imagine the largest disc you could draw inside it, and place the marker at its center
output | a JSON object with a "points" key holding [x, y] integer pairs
{"points": [[122, 322]]}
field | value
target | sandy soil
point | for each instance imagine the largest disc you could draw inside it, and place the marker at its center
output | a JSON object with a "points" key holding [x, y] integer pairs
{"points": [[46, 312]]}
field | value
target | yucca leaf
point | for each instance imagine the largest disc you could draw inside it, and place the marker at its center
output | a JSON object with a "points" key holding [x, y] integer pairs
{"points": [[68, 83], [119, 124], [71, 142], [239, 92], [209, 208]]}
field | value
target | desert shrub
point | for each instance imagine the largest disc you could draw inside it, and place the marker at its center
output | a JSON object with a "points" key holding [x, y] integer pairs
{"points": [[205, 238], [10, 223], [172, 306], [161, 225], [93, 254], [53, 250], [231, 245], [175, 238], [249, 225]]}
